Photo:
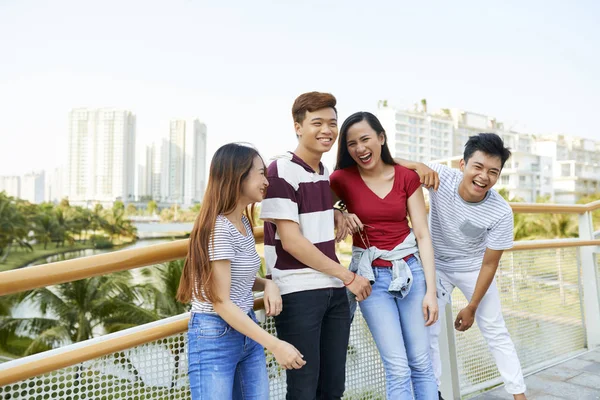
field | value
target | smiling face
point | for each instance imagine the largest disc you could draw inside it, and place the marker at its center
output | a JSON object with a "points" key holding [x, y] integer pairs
{"points": [[254, 186], [480, 174], [364, 145], [319, 130]]}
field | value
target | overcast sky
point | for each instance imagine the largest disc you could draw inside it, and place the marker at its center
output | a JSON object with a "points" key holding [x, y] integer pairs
{"points": [[238, 65]]}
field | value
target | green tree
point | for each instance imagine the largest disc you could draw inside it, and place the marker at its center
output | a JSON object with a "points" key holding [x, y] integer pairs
{"points": [[44, 227], [72, 312], [131, 209], [553, 226], [115, 223], [14, 228], [595, 214], [152, 207]]}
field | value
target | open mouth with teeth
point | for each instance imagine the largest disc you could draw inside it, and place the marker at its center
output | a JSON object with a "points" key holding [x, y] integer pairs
{"points": [[479, 186], [366, 158], [324, 140]]}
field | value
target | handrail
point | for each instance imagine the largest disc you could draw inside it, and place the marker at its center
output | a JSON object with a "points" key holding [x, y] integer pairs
{"points": [[52, 360], [539, 208], [593, 206], [28, 367], [552, 244], [36, 276], [23, 279]]}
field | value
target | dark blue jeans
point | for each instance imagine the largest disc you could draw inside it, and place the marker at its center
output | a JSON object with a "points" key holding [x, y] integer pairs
{"points": [[223, 363], [317, 323]]}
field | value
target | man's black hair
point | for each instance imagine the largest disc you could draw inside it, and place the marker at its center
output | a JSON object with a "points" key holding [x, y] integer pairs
{"points": [[488, 143]]}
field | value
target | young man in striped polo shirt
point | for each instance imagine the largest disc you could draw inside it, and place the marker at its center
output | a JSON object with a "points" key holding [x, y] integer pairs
{"points": [[300, 254], [471, 226]]}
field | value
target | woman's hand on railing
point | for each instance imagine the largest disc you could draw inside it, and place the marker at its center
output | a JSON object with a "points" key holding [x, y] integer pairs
{"points": [[287, 355], [430, 308], [272, 299]]}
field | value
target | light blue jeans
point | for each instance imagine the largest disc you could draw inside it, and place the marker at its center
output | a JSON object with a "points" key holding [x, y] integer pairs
{"points": [[399, 331], [223, 363]]}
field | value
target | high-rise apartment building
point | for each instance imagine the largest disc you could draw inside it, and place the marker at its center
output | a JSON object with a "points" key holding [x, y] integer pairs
{"points": [[55, 185], [576, 165], [101, 160], [11, 185], [177, 167], [33, 187], [417, 135], [561, 167]]}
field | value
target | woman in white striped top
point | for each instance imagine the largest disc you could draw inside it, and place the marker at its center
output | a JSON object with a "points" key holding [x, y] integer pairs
{"points": [[225, 343]]}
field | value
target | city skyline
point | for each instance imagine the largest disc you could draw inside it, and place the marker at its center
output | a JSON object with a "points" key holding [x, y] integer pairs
{"points": [[238, 67]]}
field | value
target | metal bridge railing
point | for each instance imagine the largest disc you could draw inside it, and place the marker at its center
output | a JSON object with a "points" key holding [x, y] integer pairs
{"points": [[549, 293]]}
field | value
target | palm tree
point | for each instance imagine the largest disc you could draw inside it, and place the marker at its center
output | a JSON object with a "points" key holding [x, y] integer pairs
{"points": [[159, 291], [72, 311], [157, 295], [14, 228], [44, 228], [64, 224], [115, 223]]}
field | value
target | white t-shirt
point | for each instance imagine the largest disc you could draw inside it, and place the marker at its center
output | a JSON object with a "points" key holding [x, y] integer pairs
{"points": [[240, 250], [462, 231]]}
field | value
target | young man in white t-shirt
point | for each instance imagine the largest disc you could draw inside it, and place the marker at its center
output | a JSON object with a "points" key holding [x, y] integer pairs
{"points": [[471, 226]]}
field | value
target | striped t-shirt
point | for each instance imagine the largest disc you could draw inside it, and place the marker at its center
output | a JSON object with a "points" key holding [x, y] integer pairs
{"points": [[240, 250], [298, 193], [462, 231]]}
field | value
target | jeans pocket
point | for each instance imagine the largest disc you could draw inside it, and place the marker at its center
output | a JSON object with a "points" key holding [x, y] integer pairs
{"points": [[208, 326]]}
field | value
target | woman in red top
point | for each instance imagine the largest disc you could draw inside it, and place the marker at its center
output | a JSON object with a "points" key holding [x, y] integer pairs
{"points": [[379, 195]]}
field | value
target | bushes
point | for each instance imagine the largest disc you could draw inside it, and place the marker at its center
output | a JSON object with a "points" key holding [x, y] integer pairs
{"points": [[101, 242]]}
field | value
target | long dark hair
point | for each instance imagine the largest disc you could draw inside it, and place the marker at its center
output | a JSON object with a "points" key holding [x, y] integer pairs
{"points": [[344, 160], [229, 167]]}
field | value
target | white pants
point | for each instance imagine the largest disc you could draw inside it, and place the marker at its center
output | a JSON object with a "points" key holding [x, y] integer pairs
{"points": [[490, 322]]}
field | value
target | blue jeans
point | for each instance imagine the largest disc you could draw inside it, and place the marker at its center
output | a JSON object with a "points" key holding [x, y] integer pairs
{"points": [[399, 331], [223, 363]]}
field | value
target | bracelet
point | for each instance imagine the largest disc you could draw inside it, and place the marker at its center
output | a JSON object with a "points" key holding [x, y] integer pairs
{"points": [[350, 283]]}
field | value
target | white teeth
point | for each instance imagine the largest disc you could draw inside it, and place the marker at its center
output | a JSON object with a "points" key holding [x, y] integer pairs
{"points": [[479, 184], [366, 156]]}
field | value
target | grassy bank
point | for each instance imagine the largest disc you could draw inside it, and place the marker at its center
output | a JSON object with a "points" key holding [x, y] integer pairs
{"points": [[21, 257]]}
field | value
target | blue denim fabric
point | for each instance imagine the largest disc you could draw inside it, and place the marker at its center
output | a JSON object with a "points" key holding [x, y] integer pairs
{"points": [[223, 363], [399, 331]]}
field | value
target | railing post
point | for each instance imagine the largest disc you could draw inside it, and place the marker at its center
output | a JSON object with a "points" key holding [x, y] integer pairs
{"points": [[591, 294], [450, 383]]}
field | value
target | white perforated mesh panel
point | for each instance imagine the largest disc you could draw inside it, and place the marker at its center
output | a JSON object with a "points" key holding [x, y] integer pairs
{"points": [[158, 370], [541, 303]]}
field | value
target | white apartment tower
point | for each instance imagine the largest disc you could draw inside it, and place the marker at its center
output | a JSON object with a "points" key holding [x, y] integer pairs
{"points": [[441, 136], [576, 165], [101, 161], [11, 185], [54, 188], [415, 134], [178, 164], [32, 187]]}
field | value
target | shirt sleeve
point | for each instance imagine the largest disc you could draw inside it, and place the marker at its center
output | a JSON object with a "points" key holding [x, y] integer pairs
{"points": [[220, 244], [281, 200], [411, 182], [500, 236], [335, 182], [445, 173]]}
